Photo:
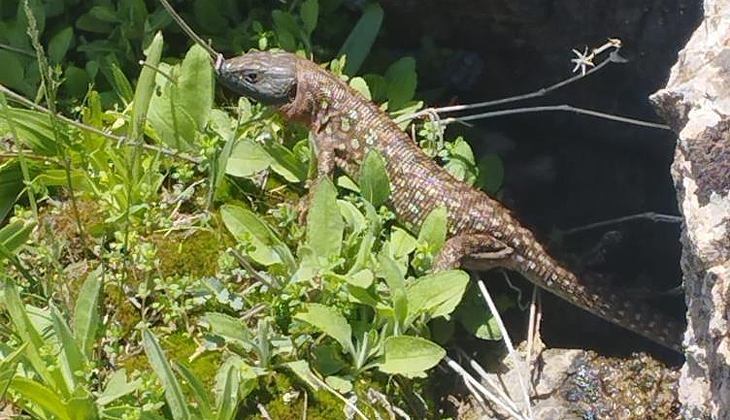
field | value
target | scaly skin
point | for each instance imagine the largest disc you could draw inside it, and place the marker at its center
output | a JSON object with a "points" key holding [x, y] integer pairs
{"points": [[482, 233]]}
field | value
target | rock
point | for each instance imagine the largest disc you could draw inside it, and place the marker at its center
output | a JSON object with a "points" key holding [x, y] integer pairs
{"points": [[577, 384], [696, 103]]}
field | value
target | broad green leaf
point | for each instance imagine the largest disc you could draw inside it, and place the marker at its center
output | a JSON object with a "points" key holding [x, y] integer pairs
{"points": [[309, 12], [401, 79], [14, 235], [329, 321], [362, 279], [410, 356], [374, 183], [229, 328], [173, 393], [286, 162], [195, 86], [302, 370], [59, 44], [34, 130], [145, 86], [392, 274], [401, 243], [491, 172], [461, 162], [357, 45], [228, 399], [11, 72], [42, 396], [341, 385], [434, 229], [353, 218], [436, 294], [30, 335], [247, 227], [359, 84], [117, 387], [82, 407], [475, 317], [72, 360], [11, 185], [86, 312], [324, 221], [198, 390], [327, 359], [247, 158]]}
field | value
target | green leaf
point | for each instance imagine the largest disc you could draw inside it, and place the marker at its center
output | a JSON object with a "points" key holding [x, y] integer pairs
{"points": [[309, 12], [393, 276], [302, 370], [362, 279], [145, 86], [247, 227], [401, 243], [30, 335], [42, 396], [374, 183], [173, 393], [228, 399], [341, 385], [11, 185], [360, 85], [34, 130], [461, 162], [14, 235], [401, 79], [58, 46], [324, 221], [491, 172], [329, 321], [195, 86], [11, 72], [229, 328], [358, 44], [120, 84], [410, 356], [436, 294], [476, 318], [198, 390], [434, 229], [86, 312], [72, 360], [117, 387], [247, 158], [286, 163], [8, 366]]}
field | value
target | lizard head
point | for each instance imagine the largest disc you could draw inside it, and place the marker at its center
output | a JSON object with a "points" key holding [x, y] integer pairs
{"points": [[268, 77]]}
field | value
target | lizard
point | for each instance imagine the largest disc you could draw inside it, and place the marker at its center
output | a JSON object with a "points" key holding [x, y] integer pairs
{"points": [[481, 232]]}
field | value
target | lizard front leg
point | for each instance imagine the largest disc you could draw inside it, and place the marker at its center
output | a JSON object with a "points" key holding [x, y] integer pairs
{"points": [[324, 148], [483, 248]]}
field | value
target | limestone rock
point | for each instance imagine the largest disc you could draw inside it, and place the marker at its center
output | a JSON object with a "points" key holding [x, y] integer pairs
{"points": [[696, 103]]}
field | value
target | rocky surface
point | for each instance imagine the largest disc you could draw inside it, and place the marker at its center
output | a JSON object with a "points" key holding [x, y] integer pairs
{"points": [[696, 102], [578, 384]]}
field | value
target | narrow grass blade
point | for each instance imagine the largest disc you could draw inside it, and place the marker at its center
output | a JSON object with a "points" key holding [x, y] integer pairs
{"points": [[198, 390], [72, 360], [173, 391]]}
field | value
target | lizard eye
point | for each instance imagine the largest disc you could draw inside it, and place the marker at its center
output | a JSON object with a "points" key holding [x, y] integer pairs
{"points": [[250, 77]]}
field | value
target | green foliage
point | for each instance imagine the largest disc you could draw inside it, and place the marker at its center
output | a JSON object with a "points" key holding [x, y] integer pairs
{"points": [[183, 224]]}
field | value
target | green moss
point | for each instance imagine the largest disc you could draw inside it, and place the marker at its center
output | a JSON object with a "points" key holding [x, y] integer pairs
{"points": [[183, 253], [178, 348], [321, 405]]}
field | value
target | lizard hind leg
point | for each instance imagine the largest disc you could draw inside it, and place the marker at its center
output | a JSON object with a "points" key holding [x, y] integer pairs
{"points": [[480, 251]]}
